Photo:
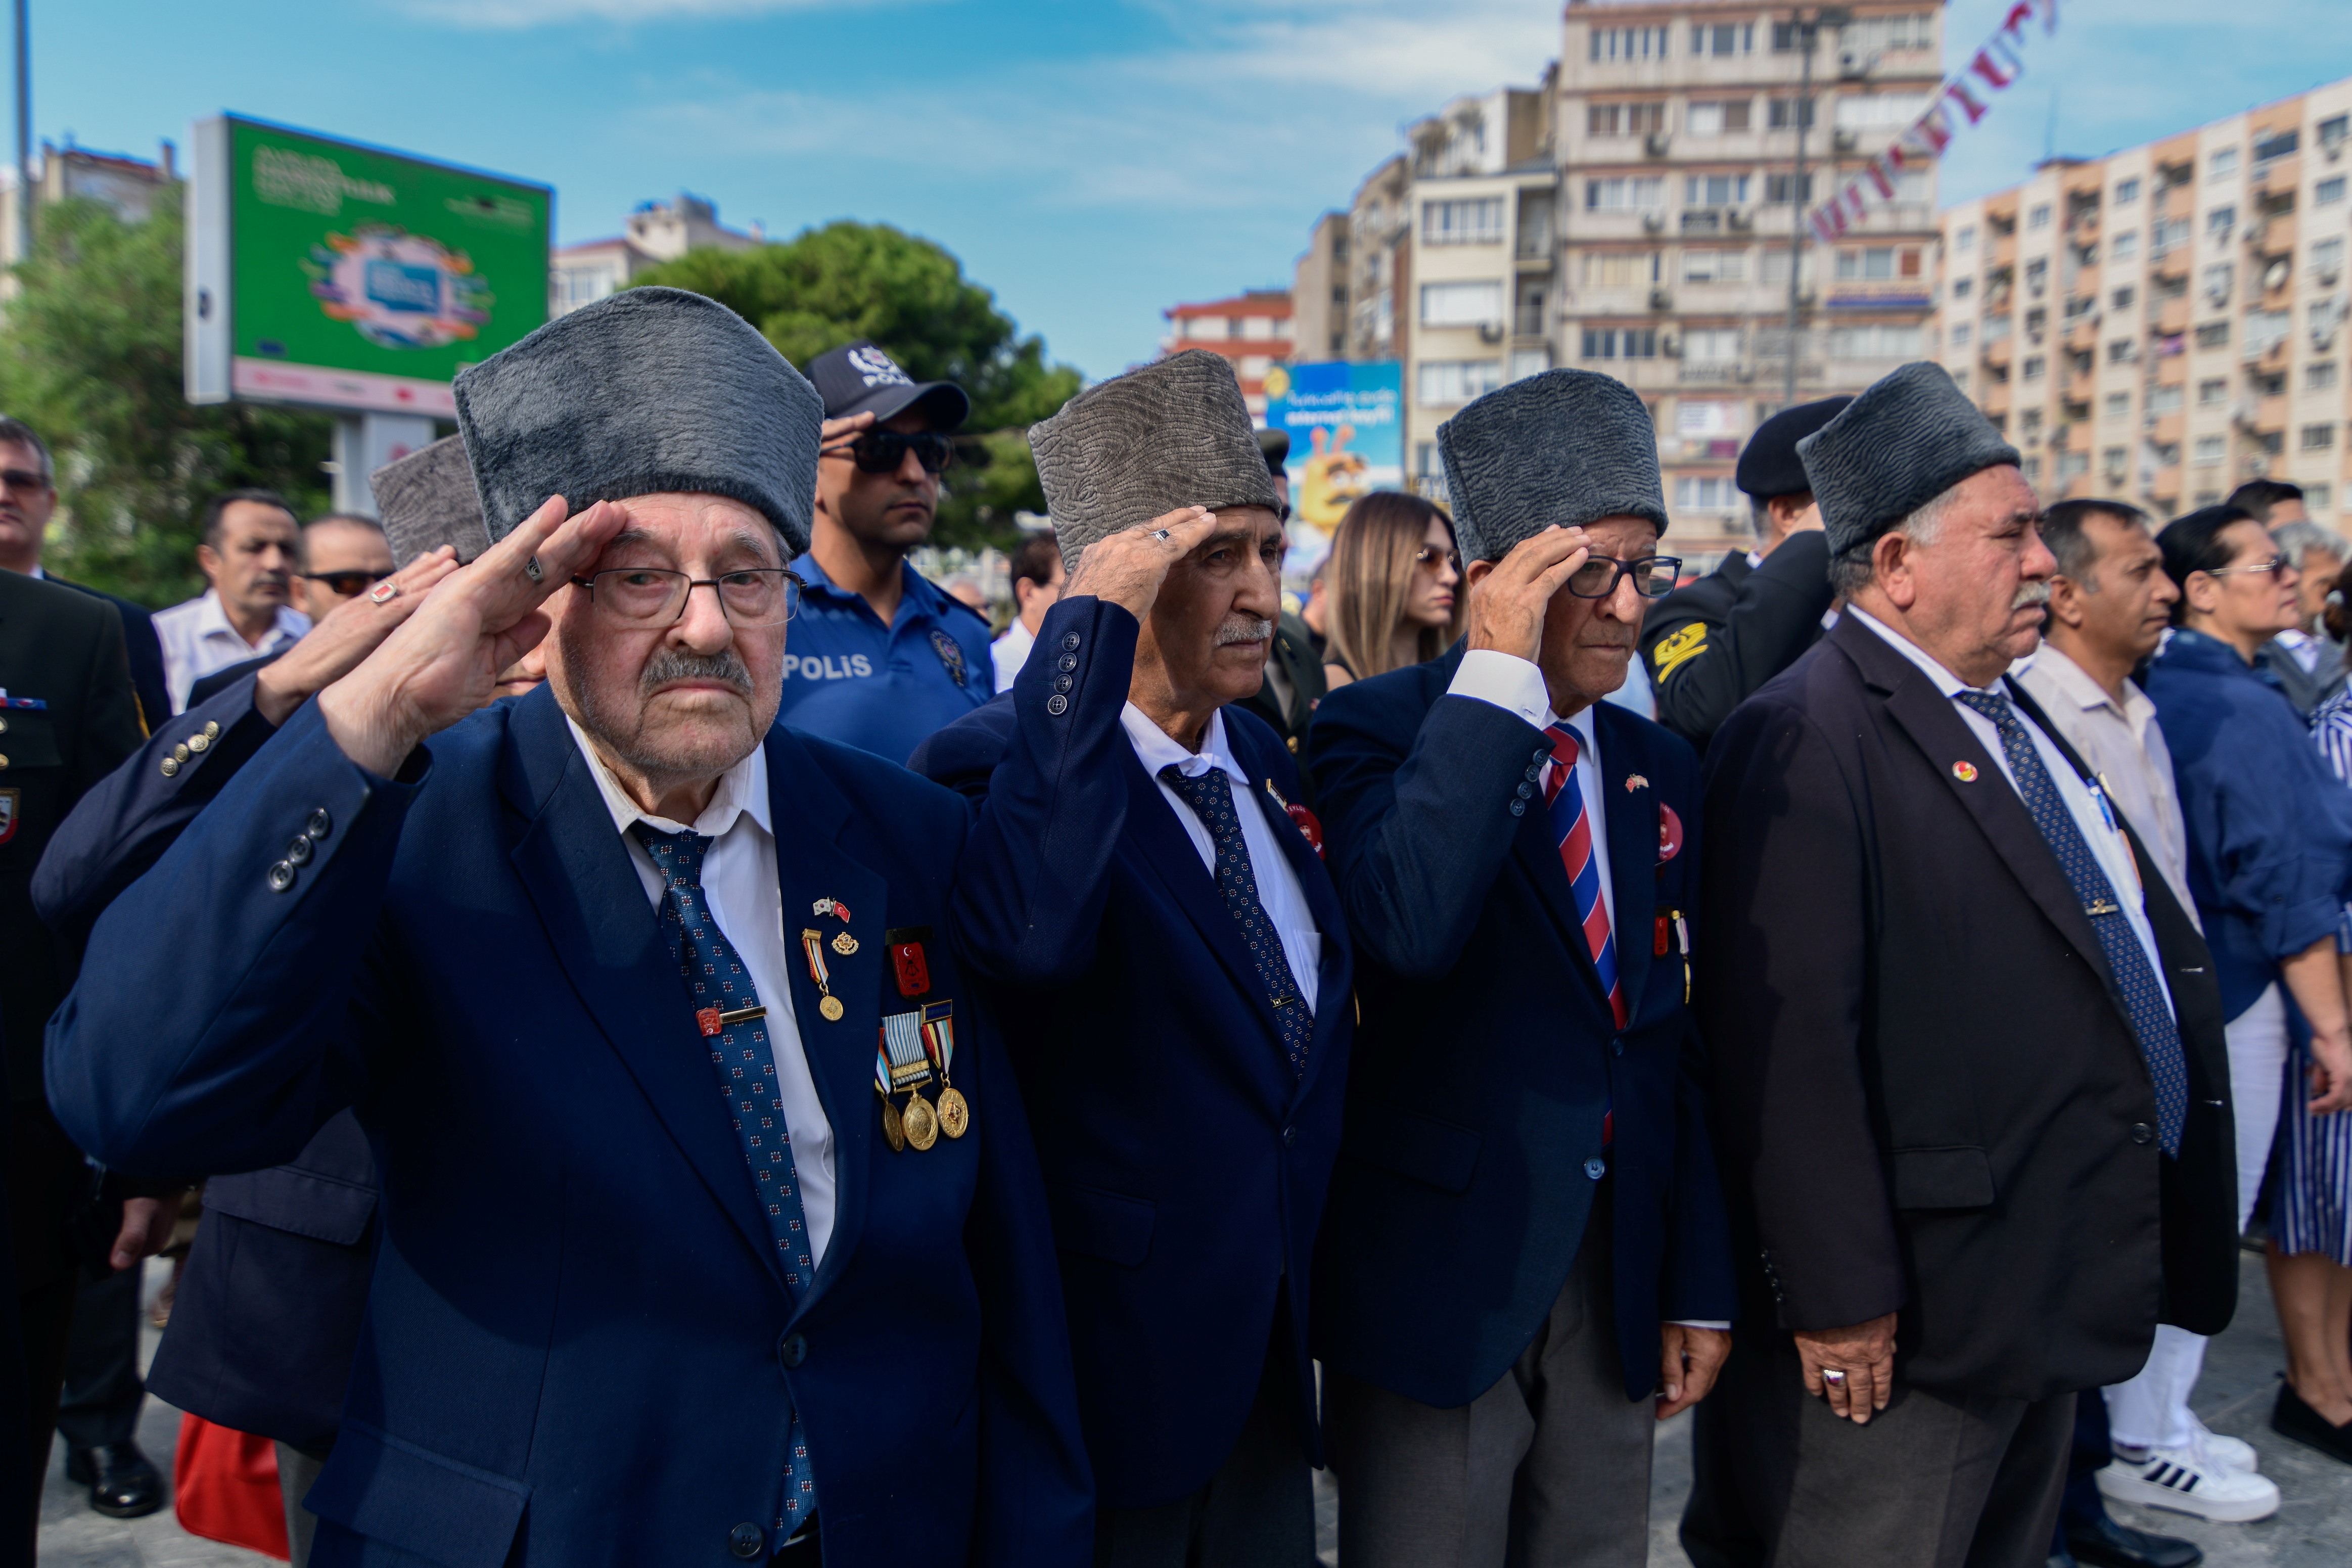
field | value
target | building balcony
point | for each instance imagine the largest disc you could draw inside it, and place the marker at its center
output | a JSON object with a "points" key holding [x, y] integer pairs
{"points": [[2270, 415], [1994, 398], [1995, 353], [2172, 315], [2168, 427], [2271, 237]]}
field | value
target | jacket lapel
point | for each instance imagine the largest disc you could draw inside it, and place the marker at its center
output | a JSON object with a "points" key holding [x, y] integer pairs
{"points": [[810, 813], [1332, 981], [605, 931], [1633, 829], [1944, 739]]}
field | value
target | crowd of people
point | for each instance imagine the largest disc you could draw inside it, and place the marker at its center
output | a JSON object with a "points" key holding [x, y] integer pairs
{"points": [[693, 1049]]}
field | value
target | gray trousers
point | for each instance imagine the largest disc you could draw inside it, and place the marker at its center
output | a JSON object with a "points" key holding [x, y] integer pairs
{"points": [[297, 1472], [1548, 1469], [1933, 1482]]}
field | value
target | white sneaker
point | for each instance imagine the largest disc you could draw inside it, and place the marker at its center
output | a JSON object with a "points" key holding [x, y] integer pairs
{"points": [[2235, 1453], [2191, 1480]]}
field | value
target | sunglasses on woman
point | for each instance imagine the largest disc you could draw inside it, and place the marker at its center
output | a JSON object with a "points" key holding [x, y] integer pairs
{"points": [[881, 451]]}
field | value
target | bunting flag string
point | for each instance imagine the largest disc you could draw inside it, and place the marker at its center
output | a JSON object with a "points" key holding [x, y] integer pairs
{"points": [[1991, 69]]}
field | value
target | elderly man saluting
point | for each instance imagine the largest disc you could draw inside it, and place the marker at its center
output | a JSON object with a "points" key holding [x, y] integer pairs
{"points": [[1967, 1069], [604, 971], [1173, 966]]}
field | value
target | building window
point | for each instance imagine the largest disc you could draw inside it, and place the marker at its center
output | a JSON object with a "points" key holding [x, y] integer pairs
{"points": [[1625, 193], [1711, 345], [1963, 287], [2209, 452], [2122, 298], [1444, 381], [1475, 222], [2319, 375], [1959, 334], [1461, 304], [2037, 277], [1714, 190], [2265, 329], [1616, 44], [2168, 235], [1714, 266], [1621, 342], [2114, 459], [1722, 38], [2125, 247], [2164, 399], [2326, 258], [1717, 117], [2318, 437], [2127, 192], [2039, 217], [1624, 119], [2223, 164], [2327, 192], [1704, 418], [1876, 341], [1787, 113], [2118, 405], [2270, 149], [1872, 265], [1966, 240], [1695, 494], [2071, 464], [2317, 498], [2036, 367], [1621, 268], [2031, 469], [1776, 189], [2123, 350], [2220, 222], [2213, 335], [2167, 453], [1526, 363]]}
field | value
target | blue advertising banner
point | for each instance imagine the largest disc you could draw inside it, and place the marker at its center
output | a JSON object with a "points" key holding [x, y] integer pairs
{"points": [[1347, 437]]}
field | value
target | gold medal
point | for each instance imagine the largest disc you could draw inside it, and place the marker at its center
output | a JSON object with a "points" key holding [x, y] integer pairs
{"points": [[830, 1008], [955, 1116], [844, 944], [894, 1130], [921, 1124]]}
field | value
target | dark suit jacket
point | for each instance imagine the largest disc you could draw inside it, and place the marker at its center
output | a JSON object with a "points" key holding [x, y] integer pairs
{"points": [[1710, 644], [579, 1345], [1488, 1053], [146, 651], [1929, 1096], [1185, 1164], [267, 1318]]}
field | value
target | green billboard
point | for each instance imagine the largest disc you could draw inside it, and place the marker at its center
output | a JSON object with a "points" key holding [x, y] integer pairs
{"points": [[335, 275]]}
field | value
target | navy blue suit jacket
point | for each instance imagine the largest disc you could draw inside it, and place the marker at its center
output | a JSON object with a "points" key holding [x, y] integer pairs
{"points": [[579, 1345], [1184, 1164], [1488, 1053]]}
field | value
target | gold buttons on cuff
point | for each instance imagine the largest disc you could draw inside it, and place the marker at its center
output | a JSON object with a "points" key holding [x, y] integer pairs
{"points": [[3, 762], [198, 742], [180, 753], [170, 765], [3, 724], [211, 730]]}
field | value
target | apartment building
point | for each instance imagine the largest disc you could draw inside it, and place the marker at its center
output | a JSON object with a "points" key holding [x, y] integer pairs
{"points": [[1319, 293], [1252, 330], [1679, 197], [2166, 323], [657, 232]]}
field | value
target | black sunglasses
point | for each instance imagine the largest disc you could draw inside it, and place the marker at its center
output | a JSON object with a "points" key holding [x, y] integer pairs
{"points": [[881, 451], [347, 585]]}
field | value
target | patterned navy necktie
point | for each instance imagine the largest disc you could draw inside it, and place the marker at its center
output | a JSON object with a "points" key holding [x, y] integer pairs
{"points": [[746, 1066], [2144, 997], [1211, 796]]}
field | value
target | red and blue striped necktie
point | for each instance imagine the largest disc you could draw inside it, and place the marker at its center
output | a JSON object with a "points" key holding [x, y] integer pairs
{"points": [[1572, 829]]}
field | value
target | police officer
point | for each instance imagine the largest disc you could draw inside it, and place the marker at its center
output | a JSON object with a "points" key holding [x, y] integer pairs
{"points": [[878, 656], [1707, 645]]}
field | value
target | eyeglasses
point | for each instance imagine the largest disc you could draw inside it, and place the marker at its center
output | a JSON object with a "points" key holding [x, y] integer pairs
{"points": [[881, 451], [23, 479], [636, 597], [1653, 576], [2276, 563], [1429, 559], [342, 584]]}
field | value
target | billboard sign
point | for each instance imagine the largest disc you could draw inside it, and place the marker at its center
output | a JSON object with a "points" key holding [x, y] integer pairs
{"points": [[1347, 437], [334, 275]]}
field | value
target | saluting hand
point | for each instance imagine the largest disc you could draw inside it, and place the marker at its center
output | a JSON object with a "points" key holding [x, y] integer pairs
{"points": [[444, 662], [346, 635], [1508, 599], [1127, 568]]}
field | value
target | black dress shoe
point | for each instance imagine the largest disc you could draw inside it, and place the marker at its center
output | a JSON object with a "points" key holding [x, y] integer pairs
{"points": [[2108, 1544], [2291, 1417], [122, 1484]]}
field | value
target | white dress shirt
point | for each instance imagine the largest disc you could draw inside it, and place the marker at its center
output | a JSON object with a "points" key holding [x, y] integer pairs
{"points": [[197, 640], [1008, 653], [2107, 844], [2126, 749], [1279, 893], [740, 884]]}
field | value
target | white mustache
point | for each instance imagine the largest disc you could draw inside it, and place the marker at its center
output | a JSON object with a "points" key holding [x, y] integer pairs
{"points": [[1242, 628], [2031, 594]]}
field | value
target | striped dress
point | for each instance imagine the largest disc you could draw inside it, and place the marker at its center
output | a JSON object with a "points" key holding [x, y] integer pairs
{"points": [[2313, 1208]]}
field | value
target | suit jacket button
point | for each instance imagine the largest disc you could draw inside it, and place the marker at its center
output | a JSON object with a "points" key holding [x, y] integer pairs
{"points": [[1070, 641], [1518, 808], [1596, 1167], [211, 730], [1057, 705], [299, 852], [794, 1351], [169, 765], [1067, 662], [319, 824], [180, 753], [1617, 1046], [1061, 683], [746, 1542], [1289, 1137], [281, 877], [2141, 1132], [1526, 792]]}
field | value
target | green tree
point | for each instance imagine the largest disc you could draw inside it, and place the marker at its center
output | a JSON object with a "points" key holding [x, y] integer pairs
{"points": [[834, 285], [89, 356]]}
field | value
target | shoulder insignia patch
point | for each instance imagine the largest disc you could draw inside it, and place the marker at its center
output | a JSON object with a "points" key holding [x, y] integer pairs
{"points": [[1678, 649]]}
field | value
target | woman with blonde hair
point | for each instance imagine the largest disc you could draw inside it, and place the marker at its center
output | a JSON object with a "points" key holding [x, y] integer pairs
{"points": [[1393, 574]]}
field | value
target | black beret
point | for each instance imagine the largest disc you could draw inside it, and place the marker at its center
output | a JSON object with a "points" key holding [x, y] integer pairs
{"points": [[1275, 445], [1769, 465]]}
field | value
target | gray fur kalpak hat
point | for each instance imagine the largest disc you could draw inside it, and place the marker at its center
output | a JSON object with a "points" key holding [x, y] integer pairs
{"points": [[427, 500], [1911, 436], [1566, 447], [647, 391], [1175, 433]]}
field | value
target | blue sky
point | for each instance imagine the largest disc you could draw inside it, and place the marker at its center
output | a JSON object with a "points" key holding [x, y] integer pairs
{"points": [[1092, 160]]}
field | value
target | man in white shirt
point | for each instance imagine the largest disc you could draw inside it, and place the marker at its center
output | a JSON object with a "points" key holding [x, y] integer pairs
{"points": [[250, 553], [1037, 577]]}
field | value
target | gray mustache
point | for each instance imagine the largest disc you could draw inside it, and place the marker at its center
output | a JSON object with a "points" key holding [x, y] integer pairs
{"points": [[677, 664], [2031, 594], [1244, 628]]}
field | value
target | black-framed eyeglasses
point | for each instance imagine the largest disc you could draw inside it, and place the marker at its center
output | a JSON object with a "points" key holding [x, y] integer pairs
{"points": [[342, 584], [1653, 576], [1429, 558], [634, 598], [881, 451], [2276, 565]]}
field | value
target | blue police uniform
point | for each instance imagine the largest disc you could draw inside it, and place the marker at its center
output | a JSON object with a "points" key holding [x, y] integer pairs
{"points": [[884, 689]]}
